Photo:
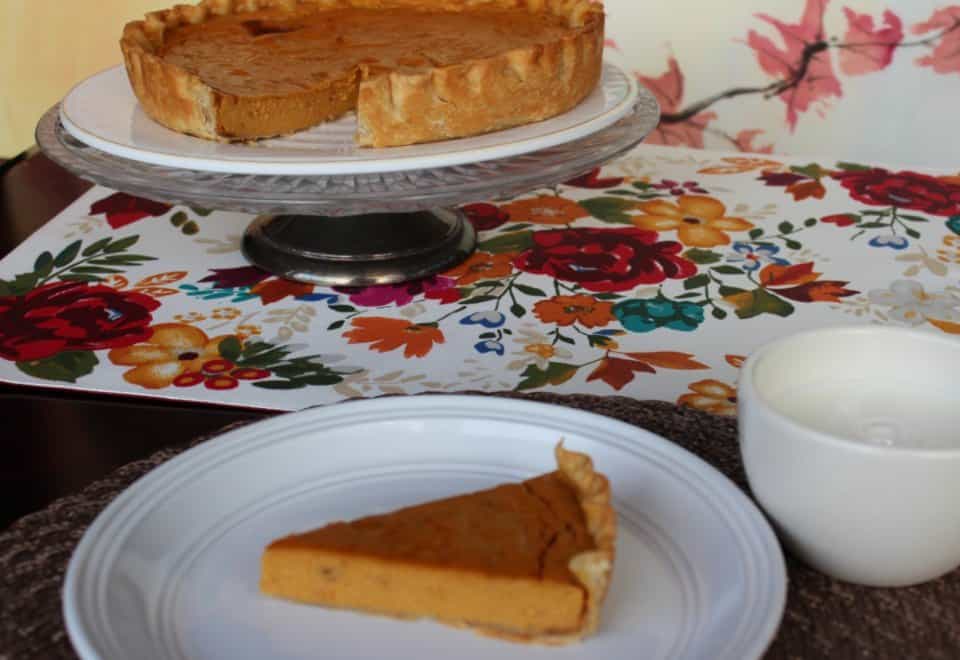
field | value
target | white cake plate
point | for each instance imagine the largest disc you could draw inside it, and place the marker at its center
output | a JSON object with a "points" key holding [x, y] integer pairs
{"points": [[103, 112]]}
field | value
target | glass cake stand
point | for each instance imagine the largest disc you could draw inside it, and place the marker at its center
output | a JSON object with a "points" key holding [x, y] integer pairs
{"points": [[353, 229]]}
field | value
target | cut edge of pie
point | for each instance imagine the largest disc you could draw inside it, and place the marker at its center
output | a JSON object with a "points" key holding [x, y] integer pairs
{"points": [[282, 573], [394, 107]]}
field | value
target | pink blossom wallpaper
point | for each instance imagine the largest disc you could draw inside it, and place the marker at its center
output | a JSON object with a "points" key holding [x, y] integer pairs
{"points": [[790, 76]]}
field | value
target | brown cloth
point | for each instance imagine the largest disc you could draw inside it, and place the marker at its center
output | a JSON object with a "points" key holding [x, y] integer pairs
{"points": [[823, 619]]}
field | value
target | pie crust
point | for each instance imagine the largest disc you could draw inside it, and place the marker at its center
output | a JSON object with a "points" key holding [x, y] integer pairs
{"points": [[395, 105], [592, 568], [526, 562]]}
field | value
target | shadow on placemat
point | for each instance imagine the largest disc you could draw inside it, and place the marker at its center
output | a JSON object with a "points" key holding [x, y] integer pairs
{"points": [[824, 618]]}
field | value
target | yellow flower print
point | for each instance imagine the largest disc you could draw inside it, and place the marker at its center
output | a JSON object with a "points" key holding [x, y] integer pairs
{"points": [[545, 351], [711, 396], [225, 313], [534, 347], [247, 330], [173, 350], [949, 252], [699, 221], [190, 317]]}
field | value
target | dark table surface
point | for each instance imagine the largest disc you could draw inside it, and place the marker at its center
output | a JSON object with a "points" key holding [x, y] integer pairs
{"points": [[54, 442]]}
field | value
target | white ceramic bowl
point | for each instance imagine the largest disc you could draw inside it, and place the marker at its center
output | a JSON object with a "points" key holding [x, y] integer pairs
{"points": [[851, 442]]}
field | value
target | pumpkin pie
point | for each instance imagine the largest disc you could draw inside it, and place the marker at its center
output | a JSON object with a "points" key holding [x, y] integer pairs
{"points": [[413, 70], [526, 561]]}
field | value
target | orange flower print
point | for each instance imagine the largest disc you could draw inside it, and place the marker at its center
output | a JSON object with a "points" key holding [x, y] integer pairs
{"points": [[699, 220], [172, 351], [482, 266], [385, 335], [802, 190], [545, 351], [545, 210], [115, 281], [161, 279], [739, 164], [272, 290], [711, 396], [567, 310], [799, 282], [735, 361]]}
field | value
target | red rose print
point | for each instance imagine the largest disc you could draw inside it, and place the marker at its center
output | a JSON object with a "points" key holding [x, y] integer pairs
{"points": [[122, 209], [905, 190], [840, 219], [441, 288], [592, 180], [485, 217], [781, 179], [230, 278], [72, 316], [433, 287], [605, 259]]}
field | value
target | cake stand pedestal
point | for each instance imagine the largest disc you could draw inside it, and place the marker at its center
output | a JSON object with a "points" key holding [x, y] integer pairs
{"points": [[371, 248]]}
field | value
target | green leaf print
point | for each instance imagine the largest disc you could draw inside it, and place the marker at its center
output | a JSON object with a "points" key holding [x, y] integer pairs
{"points": [[67, 254], [64, 367], [759, 301], [610, 209], [230, 349], [96, 247], [703, 257], [530, 290], [556, 373], [853, 167], [517, 241], [727, 270], [121, 244], [43, 266], [696, 282]]}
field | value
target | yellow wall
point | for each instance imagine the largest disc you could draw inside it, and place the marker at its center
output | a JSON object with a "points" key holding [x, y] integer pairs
{"points": [[46, 46]]}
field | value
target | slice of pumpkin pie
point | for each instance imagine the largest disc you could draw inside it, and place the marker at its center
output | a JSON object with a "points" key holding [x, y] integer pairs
{"points": [[526, 561]]}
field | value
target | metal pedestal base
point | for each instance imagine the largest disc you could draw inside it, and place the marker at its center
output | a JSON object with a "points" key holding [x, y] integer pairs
{"points": [[359, 250]]}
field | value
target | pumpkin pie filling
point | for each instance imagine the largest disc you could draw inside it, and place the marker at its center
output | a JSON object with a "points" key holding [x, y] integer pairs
{"points": [[272, 52], [414, 70], [508, 561]]}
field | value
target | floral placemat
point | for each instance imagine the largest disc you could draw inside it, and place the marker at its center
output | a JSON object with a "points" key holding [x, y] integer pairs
{"points": [[650, 278]]}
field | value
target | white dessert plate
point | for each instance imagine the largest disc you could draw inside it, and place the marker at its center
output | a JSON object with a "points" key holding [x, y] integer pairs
{"points": [[103, 112], [169, 569]]}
